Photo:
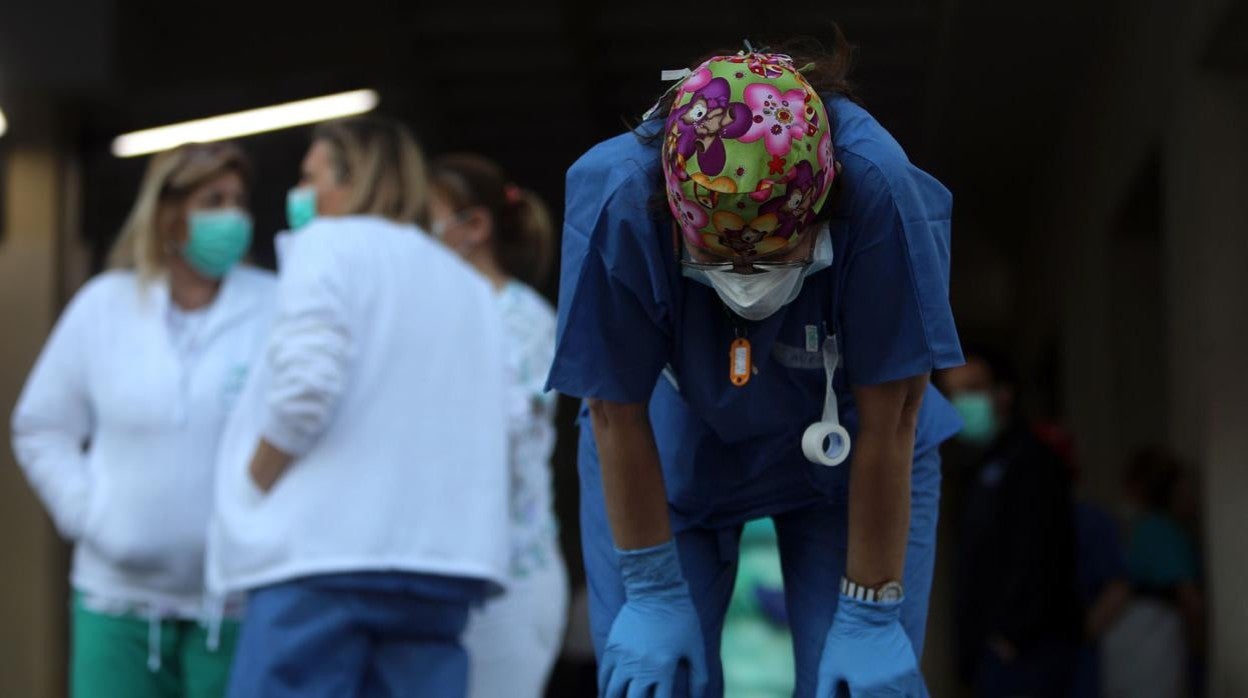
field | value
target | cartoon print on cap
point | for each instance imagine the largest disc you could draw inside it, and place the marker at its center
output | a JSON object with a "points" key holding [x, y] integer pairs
{"points": [[688, 213], [765, 65], [746, 156], [741, 236], [702, 125], [793, 208], [778, 118]]}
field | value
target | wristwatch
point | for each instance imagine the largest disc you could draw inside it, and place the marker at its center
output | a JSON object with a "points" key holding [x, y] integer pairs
{"points": [[888, 592]]}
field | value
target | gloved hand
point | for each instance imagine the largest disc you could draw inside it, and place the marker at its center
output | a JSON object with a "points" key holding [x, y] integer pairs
{"points": [[868, 652], [656, 634]]}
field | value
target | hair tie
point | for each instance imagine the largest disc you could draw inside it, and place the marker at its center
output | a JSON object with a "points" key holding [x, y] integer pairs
{"points": [[513, 194]]}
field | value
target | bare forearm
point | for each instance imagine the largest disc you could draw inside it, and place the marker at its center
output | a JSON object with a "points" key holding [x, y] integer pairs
{"points": [[879, 485], [879, 513], [632, 480]]}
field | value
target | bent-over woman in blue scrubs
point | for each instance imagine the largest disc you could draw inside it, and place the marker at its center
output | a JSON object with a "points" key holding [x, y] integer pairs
{"points": [[759, 344]]}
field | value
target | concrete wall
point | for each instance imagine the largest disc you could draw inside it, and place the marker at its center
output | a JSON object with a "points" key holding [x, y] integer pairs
{"points": [[1156, 331], [33, 590], [1207, 266]]}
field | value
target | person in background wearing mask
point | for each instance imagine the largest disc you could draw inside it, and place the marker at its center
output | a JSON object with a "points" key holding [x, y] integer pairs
{"points": [[1018, 617], [801, 276], [362, 483], [506, 234], [118, 425]]}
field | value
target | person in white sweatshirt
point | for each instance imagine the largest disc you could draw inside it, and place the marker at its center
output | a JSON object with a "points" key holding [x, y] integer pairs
{"points": [[362, 484], [505, 232], [118, 425]]}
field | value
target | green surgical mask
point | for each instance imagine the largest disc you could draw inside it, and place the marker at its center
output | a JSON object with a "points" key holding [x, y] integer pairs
{"points": [[216, 240], [979, 419], [300, 207]]}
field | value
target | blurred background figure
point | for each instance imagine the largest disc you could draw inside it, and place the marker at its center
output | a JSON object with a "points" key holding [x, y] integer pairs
{"points": [[1100, 567], [757, 647], [362, 491], [1017, 614], [118, 425], [1155, 650], [505, 232]]}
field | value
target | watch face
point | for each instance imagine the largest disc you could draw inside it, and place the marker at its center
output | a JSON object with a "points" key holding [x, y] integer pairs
{"points": [[890, 592]]}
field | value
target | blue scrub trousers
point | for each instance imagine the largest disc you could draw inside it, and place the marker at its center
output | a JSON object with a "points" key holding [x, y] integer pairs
{"points": [[309, 639], [812, 542]]}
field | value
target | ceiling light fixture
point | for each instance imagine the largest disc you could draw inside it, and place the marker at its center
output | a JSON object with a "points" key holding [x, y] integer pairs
{"points": [[244, 123]]}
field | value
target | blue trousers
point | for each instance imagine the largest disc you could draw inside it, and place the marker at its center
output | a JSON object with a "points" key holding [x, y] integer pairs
{"points": [[310, 640], [812, 542]]}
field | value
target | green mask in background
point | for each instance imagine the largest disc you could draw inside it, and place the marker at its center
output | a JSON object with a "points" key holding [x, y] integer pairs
{"points": [[216, 240], [979, 419], [300, 207]]}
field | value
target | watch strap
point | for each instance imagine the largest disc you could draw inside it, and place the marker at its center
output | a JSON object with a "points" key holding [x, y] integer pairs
{"points": [[889, 591]]}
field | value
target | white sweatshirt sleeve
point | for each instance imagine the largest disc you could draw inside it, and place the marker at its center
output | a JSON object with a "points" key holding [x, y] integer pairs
{"points": [[310, 347], [53, 420]]}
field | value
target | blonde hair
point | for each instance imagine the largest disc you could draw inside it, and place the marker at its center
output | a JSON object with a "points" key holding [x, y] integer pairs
{"points": [[171, 176], [381, 163]]}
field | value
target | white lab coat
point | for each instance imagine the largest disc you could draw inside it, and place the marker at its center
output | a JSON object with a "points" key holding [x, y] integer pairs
{"points": [[117, 430], [383, 377]]}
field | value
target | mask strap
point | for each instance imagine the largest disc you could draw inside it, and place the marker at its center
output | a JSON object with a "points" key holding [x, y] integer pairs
{"points": [[677, 78], [826, 442]]}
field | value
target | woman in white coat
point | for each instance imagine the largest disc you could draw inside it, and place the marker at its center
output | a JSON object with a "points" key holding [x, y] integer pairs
{"points": [[362, 486], [117, 428], [505, 232]]}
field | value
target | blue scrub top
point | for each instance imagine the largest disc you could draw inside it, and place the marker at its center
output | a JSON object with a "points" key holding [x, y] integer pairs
{"points": [[626, 312]]}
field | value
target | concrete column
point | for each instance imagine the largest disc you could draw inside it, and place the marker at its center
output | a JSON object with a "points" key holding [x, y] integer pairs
{"points": [[33, 590], [1207, 272]]}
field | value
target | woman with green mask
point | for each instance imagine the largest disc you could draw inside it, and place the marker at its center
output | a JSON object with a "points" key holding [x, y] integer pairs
{"points": [[119, 422]]}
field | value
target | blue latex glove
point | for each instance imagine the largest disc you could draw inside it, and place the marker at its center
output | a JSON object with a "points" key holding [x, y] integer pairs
{"points": [[656, 634], [867, 652]]}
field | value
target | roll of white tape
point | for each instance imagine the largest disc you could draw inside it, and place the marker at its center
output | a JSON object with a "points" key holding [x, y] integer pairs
{"points": [[836, 438]]}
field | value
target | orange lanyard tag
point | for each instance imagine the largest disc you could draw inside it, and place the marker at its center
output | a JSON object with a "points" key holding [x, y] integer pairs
{"points": [[739, 364]]}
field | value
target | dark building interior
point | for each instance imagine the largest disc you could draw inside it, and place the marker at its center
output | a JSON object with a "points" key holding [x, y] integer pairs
{"points": [[1097, 153]]}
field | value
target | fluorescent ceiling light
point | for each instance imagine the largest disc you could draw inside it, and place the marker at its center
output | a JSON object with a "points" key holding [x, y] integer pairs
{"points": [[4, 125], [245, 123]]}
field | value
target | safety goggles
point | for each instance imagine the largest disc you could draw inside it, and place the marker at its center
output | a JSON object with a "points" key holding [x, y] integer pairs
{"points": [[752, 264]]}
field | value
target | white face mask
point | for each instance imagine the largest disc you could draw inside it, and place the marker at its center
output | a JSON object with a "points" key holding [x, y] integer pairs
{"points": [[438, 228], [758, 296]]}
